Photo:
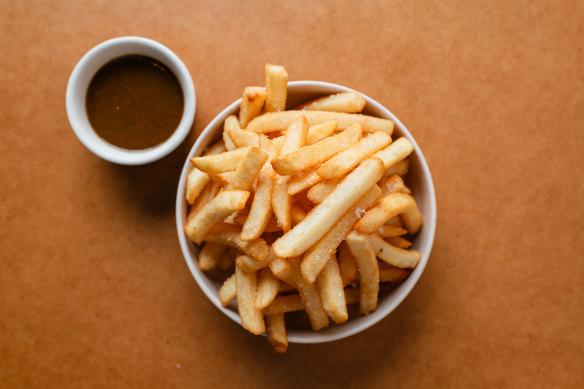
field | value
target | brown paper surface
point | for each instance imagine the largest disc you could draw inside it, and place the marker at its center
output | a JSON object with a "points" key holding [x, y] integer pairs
{"points": [[94, 291]]}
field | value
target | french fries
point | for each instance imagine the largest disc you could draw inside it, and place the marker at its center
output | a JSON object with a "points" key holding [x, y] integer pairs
{"points": [[310, 205], [349, 102]]}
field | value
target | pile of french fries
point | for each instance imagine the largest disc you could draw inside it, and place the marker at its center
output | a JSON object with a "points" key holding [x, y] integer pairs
{"points": [[308, 206]]}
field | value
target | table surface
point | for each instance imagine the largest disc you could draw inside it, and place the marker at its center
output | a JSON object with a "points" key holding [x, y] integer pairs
{"points": [[94, 291]]}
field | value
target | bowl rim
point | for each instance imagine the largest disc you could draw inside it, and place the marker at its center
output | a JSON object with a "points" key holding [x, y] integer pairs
{"points": [[207, 136], [82, 128]]}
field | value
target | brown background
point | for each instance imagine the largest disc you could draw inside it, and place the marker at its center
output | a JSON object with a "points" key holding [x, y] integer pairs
{"points": [[94, 291]]}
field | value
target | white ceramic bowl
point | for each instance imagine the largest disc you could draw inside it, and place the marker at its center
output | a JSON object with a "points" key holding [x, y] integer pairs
{"points": [[418, 180], [82, 76]]}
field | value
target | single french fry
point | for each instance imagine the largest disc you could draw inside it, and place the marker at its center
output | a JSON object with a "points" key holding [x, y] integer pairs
{"points": [[346, 160], [272, 225], [391, 184], [395, 152], [406, 190], [276, 88], [325, 215], [284, 304], [229, 234], [268, 286], [393, 255], [248, 170], [388, 273], [389, 206], [401, 168], [276, 332], [364, 254], [387, 231], [347, 264], [319, 191], [282, 270], [278, 121], [349, 102], [202, 200], [210, 255], [330, 286], [243, 138], [319, 131], [311, 155], [297, 214], [223, 205], [317, 256], [281, 200], [228, 290], [311, 298], [303, 181], [196, 181], [395, 221], [261, 210], [246, 287], [230, 123], [251, 105], [220, 163], [398, 241], [222, 179]]}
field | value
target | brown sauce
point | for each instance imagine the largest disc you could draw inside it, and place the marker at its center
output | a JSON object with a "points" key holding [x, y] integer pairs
{"points": [[134, 102]]}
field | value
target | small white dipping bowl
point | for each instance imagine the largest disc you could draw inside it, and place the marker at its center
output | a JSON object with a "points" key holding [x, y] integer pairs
{"points": [[82, 75], [418, 180]]}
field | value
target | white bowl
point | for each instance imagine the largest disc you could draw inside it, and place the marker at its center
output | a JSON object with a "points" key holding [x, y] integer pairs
{"points": [[418, 180], [82, 76]]}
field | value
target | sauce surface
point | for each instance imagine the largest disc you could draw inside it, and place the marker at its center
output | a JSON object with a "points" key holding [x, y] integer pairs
{"points": [[134, 102]]}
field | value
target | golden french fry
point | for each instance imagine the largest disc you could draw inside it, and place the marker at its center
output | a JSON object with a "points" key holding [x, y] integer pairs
{"points": [[325, 215], [297, 214], [202, 200], [398, 241], [349, 102], [272, 225], [319, 191], [286, 288], [276, 88], [246, 287], [347, 264], [276, 331], [393, 255], [229, 234], [210, 255], [330, 286], [387, 231], [364, 254], [248, 170], [220, 163], [391, 184], [281, 200], [317, 256], [261, 210], [196, 181], [319, 131], [388, 273], [311, 298], [228, 290], [284, 304], [406, 190], [282, 270], [395, 152], [268, 286], [395, 221], [251, 105], [243, 138], [223, 205], [401, 168], [278, 121], [346, 160], [309, 156], [230, 123], [222, 179], [389, 206], [303, 181]]}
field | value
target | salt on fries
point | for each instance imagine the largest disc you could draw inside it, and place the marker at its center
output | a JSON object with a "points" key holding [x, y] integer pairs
{"points": [[309, 204]]}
